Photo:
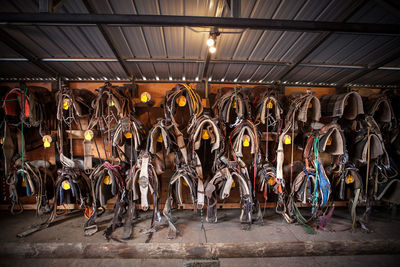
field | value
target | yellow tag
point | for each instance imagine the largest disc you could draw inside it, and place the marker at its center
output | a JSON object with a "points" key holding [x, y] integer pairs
{"points": [[270, 105], [271, 181], [159, 138], [46, 141], [89, 135], [310, 105], [23, 184], [145, 97], [346, 103], [205, 135], [329, 141], [1, 140], [110, 103], [349, 179], [233, 184], [128, 135], [181, 101], [287, 140], [65, 185], [107, 180], [66, 104], [185, 184], [246, 141], [46, 144], [234, 104]]}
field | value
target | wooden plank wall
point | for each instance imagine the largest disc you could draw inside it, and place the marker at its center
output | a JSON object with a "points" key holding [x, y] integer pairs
{"points": [[157, 91]]}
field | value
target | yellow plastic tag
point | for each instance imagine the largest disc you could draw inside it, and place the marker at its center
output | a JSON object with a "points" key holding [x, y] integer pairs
{"points": [[185, 184], [46, 144], [205, 135], [110, 103], [246, 141], [159, 138], [65, 185], [233, 184], [271, 181], [287, 140], [181, 101], [310, 105], [46, 141], [270, 105], [346, 102], [145, 97], [329, 141], [349, 179], [128, 135], [66, 104], [234, 104], [107, 180], [89, 135], [1, 140], [23, 184]]}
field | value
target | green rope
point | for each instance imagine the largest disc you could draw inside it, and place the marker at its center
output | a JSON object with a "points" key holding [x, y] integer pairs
{"points": [[303, 221]]}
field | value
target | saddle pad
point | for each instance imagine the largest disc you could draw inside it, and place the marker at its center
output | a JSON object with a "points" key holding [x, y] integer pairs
{"points": [[348, 105]]}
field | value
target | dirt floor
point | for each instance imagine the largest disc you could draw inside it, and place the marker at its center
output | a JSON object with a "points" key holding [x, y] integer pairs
{"points": [[68, 229]]}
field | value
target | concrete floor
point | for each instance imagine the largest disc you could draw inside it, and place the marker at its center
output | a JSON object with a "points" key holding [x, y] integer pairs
{"points": [[275, 229]]}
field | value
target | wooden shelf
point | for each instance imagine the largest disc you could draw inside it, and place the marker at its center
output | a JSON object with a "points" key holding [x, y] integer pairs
{"points": [[110, 206]]}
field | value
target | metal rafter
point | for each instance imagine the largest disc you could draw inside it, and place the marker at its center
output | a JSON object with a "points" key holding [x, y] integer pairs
{"points": [[107, 37], [360, 73], [213, 61], [197, 21]]}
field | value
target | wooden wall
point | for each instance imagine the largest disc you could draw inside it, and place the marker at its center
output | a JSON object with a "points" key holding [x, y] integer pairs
{"points": [[157, 91]]}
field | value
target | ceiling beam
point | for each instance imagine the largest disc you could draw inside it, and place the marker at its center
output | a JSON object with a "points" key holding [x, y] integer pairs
{"points": [[212, 61], [321, 38], [196, 21], [360, 73], [103, 29], [12, 43]]}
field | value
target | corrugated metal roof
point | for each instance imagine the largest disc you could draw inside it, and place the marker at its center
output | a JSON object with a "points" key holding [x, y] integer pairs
{"points": [[183, 43], [21, 70]]}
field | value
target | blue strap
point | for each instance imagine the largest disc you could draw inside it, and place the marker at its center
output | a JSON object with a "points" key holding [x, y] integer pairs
{"points": [[72, 187], [61, 193], [324, 186]]}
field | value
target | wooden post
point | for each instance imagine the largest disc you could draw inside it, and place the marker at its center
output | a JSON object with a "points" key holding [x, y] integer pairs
{"points": [[198, 251]]}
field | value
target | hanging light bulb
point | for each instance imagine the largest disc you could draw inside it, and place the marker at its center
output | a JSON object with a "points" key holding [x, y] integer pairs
{"points": [[212, 49], [210, 42]]}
